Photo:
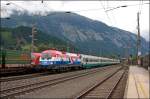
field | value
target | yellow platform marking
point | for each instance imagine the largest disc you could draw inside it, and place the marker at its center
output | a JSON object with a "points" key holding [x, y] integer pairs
{"points": [[142, 88], [136, 85]]}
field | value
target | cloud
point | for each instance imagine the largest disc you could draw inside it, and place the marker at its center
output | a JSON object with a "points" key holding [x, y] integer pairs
{"points": [[146, 35], [124, 18]]}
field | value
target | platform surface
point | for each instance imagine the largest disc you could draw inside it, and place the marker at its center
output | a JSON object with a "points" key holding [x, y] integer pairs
{"points": [[138, 83]]}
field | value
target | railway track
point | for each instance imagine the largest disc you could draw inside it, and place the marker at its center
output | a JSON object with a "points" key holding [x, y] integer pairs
{"points": [[11, 70], [6, 79], [119, 91], [103, 89], [12, 92], [14, 71]]}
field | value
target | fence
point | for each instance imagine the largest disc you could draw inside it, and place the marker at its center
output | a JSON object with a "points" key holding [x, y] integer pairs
{"points": [[14, 57], [145, 61]]}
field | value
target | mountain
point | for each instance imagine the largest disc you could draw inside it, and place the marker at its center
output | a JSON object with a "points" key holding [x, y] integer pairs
{"points": [[89, 36], [19, 38]]}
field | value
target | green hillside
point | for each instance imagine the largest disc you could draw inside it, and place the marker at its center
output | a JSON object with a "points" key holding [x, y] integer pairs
{"points": [[19, 38]]}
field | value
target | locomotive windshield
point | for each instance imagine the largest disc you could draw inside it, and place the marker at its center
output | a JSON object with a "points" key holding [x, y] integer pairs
{"points": [[32, 56], [46, 56]]}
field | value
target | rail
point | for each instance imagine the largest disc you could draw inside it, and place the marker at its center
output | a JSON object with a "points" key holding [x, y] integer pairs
{"points": [[11, 92], [86, 92]]}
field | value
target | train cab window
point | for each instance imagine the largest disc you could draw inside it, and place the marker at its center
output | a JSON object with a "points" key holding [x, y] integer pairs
{"points": [[46, 56], [86, 60], [32, 56], [104, 60]]}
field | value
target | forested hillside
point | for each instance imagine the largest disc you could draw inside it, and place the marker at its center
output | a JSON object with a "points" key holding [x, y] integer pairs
{"points": [[19, 38]]}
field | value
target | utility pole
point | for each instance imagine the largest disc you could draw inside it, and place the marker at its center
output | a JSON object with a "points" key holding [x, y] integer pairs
{"points": [[99, 52], [128, 51], [126, 54], [138, 40], [33, 35], [68, 49]]}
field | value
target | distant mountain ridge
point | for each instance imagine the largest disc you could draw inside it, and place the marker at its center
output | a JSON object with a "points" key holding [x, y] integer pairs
{"points": [[89, 36]]}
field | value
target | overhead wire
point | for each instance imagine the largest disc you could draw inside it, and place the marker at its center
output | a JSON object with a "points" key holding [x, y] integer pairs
{"points": [[125, 6], [103, 7], [5, 8], [106, 12], [113, 16], [16, 5], [108, 8], [45, 6], [139, 9]]}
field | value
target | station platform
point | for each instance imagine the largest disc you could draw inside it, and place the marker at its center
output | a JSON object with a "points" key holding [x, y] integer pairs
{"points": [[137, 84]]}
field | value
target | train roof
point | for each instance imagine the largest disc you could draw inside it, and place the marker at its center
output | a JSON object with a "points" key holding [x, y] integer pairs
{"points": [[72, 54], [37, 54], [56, 52], [52, 51], [96, 57]]}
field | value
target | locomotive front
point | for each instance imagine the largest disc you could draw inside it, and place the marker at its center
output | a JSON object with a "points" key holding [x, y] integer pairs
{"points": [[48, 58]]}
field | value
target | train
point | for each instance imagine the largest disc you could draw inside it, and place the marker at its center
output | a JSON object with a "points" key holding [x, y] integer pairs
{"points": [[89, 61], [54, 59]]}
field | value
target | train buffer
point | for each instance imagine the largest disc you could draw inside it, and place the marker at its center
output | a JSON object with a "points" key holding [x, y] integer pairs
{"points": [[138, 83]]}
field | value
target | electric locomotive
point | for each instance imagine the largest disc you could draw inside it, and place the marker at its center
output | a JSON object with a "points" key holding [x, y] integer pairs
{"points": [[53, 59]]}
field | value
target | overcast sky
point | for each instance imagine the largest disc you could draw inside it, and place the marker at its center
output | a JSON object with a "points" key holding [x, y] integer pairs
{"points": [[124, 18]]}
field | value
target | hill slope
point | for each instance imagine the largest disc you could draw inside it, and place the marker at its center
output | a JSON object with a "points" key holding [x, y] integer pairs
{"points": [[19, 39], [88, 35]]}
